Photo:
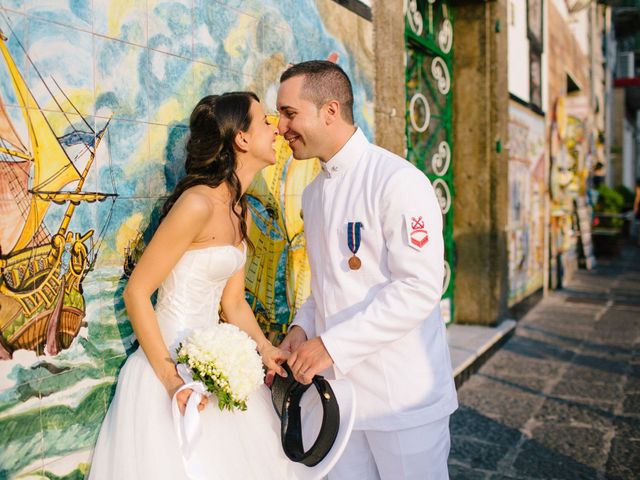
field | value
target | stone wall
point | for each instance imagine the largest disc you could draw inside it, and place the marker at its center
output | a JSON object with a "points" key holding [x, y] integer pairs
{"points": [[481, 100]]}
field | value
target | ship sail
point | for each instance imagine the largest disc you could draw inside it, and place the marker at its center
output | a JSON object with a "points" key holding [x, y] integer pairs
{"points": [[52, 167], [8, 134], [14, 178]]}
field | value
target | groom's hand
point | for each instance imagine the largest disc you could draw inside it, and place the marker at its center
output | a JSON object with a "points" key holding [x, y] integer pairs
{"points": [[294, 339], [309, 359], [291, 342]]}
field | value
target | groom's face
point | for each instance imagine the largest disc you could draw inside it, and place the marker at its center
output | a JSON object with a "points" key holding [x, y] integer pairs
{"points": [[301, 122]]}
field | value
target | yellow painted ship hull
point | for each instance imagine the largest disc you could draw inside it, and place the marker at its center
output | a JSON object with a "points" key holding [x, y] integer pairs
{"points": [[42, 307]]}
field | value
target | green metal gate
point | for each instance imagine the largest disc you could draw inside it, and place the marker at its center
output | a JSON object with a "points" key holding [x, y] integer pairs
{"points": [[429, 131]]}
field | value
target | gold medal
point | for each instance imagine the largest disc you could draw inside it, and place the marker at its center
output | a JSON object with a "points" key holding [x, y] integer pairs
{"points": [[354, 263]]}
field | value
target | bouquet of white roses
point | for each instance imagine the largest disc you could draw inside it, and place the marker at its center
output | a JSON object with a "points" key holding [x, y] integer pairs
{"points": [[225, 360]]}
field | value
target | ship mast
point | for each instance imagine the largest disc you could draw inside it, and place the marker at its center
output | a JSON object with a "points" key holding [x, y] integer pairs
{"points": [[72, 205], [57, 170]]}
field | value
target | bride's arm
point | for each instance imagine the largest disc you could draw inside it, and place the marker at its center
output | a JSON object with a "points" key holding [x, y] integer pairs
{"points": [[238, 312], [174, 235]]}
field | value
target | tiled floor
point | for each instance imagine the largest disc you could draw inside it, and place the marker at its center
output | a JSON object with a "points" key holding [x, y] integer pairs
{"points": [[467, 343]]}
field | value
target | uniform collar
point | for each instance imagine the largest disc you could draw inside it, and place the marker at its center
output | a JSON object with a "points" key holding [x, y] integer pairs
{"points": [[349, 154]]}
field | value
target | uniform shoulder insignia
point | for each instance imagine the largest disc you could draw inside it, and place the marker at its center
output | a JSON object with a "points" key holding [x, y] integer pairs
{"points": [[417, 235]]}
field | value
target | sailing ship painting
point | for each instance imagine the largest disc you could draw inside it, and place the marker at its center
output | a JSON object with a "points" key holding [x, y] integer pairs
{"points": [[42, 306]]}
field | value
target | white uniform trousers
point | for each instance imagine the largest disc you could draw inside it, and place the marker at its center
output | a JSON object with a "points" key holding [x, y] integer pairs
{"points": [[418, 453]]}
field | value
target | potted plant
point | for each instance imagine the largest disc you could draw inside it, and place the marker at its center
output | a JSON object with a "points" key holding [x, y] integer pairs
{"points": [[608, 222], [627, 209]]}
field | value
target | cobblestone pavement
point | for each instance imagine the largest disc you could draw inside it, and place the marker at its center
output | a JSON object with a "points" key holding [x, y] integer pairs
{"points": [[561, 399]]}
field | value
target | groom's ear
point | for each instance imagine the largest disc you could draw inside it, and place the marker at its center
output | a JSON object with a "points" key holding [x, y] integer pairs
{"points": [[332, 111], [241, 141]]}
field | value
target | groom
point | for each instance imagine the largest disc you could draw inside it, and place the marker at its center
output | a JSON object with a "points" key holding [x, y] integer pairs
{"points": [[373, 229]]}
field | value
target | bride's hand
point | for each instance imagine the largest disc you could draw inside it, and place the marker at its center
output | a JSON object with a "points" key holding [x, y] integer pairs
{"points": [[273, 357], [183, 397]]}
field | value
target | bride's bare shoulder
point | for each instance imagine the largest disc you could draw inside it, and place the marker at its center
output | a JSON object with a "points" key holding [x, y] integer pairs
{"points": [[195, 201]]}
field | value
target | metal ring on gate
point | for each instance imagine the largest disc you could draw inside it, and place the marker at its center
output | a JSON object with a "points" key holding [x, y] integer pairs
{"points": [[418, 96], [443, 194]]}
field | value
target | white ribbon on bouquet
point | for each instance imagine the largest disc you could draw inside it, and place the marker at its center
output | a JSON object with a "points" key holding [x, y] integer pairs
{"points": [[187, 426]]}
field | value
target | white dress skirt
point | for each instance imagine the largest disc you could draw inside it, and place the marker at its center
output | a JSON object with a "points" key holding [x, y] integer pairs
{"points": [[137, 440]]}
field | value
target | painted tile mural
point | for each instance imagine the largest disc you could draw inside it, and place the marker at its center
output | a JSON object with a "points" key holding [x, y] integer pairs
{"points": [[527, 189], [94, 102]]}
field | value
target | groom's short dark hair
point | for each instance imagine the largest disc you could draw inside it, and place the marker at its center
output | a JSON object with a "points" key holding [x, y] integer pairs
{"points": [[324, 81]]}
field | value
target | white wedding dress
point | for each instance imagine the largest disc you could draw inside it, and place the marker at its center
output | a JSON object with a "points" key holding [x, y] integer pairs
{"points": [[137, 440]]}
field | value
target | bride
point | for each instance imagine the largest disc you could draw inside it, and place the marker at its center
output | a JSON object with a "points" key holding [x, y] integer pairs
{"points": [[196, 260]]}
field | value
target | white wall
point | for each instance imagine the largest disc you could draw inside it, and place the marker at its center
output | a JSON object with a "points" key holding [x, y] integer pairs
{"points": [[579, 25], [545, 58], [609, 97], [561, 6], [518, 49]]}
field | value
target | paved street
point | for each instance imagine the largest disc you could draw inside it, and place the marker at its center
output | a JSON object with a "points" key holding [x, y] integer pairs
{"points": [[561, 399]]}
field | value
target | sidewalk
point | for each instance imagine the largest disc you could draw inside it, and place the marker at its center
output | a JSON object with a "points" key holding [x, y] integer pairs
{"points": [[561, 398]]}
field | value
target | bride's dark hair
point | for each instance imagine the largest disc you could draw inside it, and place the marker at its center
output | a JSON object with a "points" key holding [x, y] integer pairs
{"points": [[211, 159]]}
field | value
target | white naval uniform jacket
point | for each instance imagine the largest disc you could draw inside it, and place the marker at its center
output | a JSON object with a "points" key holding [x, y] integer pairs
{"points": [[381, 324]]}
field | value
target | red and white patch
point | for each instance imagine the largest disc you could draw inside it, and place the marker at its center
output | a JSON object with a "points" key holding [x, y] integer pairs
{"points": [[417, 235]]}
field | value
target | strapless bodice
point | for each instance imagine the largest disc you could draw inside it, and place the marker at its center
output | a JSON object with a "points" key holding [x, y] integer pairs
{"points": [[190, 296]]}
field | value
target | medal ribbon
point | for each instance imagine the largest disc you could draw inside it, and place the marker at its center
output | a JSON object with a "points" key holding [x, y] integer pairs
{"points": [[353, 236]]}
